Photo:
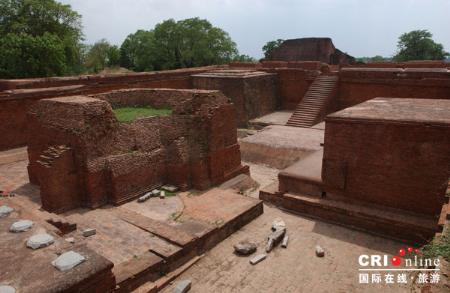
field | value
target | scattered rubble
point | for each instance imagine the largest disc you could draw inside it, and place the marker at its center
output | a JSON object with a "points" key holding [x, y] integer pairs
{"points": [[278, 223], [70, 240], [169, 188], [156, 192], [284, 243], [162, 194], [40, 240], [5, 211], [245, 248], [89, 232], [274, 238], [319, 251], [7, 289], [68, 260], [183, 286], [269, 245], [21, 226], [258, 258], [145, 197]]}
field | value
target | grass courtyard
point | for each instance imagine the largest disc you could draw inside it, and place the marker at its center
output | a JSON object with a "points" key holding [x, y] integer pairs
{"points": [[129, 114]]}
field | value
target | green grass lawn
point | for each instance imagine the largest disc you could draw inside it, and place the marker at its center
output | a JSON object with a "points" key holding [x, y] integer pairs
{"points": [[129, 114]]}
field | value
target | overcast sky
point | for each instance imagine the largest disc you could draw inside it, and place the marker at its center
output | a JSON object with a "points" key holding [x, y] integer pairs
{"points": [[358, 27]]}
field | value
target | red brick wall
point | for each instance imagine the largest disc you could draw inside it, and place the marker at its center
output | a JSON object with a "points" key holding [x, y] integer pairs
{"points": [[114, 162], [403, 166], [19, 95], [252, 96], [292, 86], [357, 86]]}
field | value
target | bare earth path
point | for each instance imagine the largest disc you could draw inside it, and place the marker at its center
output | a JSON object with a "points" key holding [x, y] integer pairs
{"points": [[295, 269]]}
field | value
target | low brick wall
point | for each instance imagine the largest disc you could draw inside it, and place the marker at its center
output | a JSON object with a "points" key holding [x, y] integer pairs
{"points": [[81, 155], [390, 152], [357, 85], [19, 95]]}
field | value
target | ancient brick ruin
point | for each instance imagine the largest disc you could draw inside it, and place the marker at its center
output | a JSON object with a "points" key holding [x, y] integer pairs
{"points": [[365, 146], [311, 49], [252, 93], [81, 155]]}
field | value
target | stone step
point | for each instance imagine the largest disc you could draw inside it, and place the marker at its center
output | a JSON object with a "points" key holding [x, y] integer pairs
{"points": [[375, 220], [314, 102], [302, 118]]}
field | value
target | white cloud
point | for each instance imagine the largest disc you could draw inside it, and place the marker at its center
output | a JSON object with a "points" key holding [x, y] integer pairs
{"points": [[361, 28]]}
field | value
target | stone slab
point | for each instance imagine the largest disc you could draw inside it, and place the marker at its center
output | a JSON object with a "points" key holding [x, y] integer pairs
{"points": [[40, 240], [403, 110], [159, 228], [68, 260], [275, 118], [258, 258], [183, 286], [281, 146], [21, 226]]}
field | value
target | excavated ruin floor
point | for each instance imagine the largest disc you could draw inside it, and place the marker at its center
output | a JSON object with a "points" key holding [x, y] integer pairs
{"points": [[280, 146], [143, 240], [121, 236], [295, 269], [274, 118]]}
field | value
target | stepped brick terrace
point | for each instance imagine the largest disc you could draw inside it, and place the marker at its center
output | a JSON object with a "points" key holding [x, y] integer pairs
{"points": [[322, 144]]}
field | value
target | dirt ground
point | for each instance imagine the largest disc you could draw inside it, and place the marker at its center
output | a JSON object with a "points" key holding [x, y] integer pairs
{"points": [[295, 269]]}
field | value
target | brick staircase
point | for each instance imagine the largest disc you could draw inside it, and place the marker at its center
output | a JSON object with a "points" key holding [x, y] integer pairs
{"points": [[51, 154], [312, 109]]}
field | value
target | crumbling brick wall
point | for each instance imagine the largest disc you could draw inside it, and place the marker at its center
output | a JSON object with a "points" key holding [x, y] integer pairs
{"points": [[19, 95], [114, 162], [252, 92]]}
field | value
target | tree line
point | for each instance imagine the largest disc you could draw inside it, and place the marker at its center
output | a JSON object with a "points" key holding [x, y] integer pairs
{"points": [[44, 38], [414, 45], [41, 38]]}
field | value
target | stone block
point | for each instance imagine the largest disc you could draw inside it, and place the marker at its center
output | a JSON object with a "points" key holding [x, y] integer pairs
{"points": [[68, 260], [258, 258], [21, 226], [40, 240], [183, 286]]}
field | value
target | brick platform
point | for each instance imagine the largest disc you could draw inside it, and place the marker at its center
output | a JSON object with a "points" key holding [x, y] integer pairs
{"points": [[144, 241], [384, 169]]}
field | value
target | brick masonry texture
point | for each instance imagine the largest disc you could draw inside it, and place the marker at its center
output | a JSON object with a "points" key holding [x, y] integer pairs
{"points": [[357, 83], [390, 152], [81, 155], [253, 93]]}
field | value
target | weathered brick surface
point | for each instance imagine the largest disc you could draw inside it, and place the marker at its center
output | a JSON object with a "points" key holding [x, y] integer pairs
{"points": [[114, 162], [390, 152], [253, 93], [359, 85], [17, 96], [292, 85], [310, 49]]}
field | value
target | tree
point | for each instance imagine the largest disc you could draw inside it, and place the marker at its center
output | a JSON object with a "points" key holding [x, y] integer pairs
{"points": [[419, 45], [138, 51], [244, 58], [177, 44], [270, 46], [101, 55], [38, 38], [378, 58]]}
